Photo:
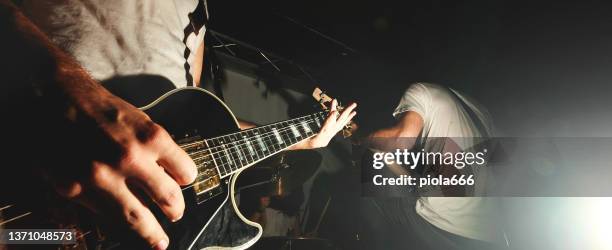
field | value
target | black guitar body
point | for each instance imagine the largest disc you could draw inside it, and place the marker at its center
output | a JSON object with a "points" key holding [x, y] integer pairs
{"points": [[195, 113]]}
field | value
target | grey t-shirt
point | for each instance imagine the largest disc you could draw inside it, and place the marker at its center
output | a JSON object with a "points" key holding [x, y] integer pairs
{"points": [[113, 38]]}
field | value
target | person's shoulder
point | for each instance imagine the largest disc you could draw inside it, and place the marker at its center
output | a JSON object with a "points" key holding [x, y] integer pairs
{"points": [[424, 86], [423, 89], [438, 95]]}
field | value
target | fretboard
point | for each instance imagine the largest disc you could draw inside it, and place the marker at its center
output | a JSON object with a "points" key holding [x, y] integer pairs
{"points": [[235, 151]]}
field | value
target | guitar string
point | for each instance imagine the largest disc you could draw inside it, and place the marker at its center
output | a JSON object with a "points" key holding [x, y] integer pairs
{"points": [[234, 150], [274, 123], [245, 140], [238, 147], [303, 117], [232, 170], [226, 174], [264, 136], [267, 125], [267, 137], [233, 161], [250, 138]]}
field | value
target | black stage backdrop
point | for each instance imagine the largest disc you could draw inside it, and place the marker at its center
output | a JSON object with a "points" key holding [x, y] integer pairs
{"points": [[540, 67]]}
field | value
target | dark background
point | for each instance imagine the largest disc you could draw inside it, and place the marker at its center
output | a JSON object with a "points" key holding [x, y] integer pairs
{"points": [[538, 66], [542, 69]]}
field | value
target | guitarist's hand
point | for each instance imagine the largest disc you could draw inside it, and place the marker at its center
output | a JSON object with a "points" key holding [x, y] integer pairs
{"points": [[334, 123], [96, 148], [120, 152]]}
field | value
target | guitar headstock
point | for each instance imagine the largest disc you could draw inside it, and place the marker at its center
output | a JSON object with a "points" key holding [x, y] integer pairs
{"points": [[325, 101]]}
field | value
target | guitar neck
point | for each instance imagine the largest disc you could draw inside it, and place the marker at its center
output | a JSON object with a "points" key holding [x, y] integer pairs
{"points": [[242, 149]]}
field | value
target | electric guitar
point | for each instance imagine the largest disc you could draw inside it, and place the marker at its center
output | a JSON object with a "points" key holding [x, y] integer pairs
{"points": [[206, 129]]}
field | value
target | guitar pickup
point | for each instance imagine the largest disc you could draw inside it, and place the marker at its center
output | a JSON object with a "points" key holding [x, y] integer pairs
{"points": [[207, 185]]}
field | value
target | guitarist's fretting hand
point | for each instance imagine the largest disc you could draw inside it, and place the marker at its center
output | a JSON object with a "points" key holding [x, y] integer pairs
{"points": [[334, 123], [104, 148]]}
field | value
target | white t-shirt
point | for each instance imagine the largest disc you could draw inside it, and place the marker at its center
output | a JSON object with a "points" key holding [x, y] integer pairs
{"points": [[125, 37], [443, 116]]}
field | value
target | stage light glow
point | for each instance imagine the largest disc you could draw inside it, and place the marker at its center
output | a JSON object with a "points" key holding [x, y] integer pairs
{"points": [[598, 215]]}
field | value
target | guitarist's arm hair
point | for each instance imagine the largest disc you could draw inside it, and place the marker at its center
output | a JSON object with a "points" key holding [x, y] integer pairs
{"points": [[52, 103], [30, 61]]}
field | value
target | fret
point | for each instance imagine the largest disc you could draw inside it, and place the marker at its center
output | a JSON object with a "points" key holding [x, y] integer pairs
{"points": [[302, 133], [258, 137], [234, 156], [209, 145], [262, 144], [306, 128], [227, 159], [312, 124], [221, 157], [234, 151], [243, 149], [237, 151], [236, 162], [257, 141], [295, 131], [303, 130], [269, 140], [261, 153], [241, 156], [252, 145], [228, 144], [248, 150], [286, 135], [279, 141], [278, 137], [214, 148], [317, 120], [230, 162]]}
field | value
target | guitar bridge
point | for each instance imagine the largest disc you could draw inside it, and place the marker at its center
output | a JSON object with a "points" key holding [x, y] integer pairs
{"points": [[208, 181], [208, 186]]}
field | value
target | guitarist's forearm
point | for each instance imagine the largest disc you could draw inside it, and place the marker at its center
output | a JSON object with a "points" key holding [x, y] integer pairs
{"points": [[31, 63], [402, 135], [387, 139], [305, 144]]}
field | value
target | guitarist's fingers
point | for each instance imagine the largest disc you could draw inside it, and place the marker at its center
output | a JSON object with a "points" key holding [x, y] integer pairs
{"points": [[176, 162], [350, 117], [334, 105], [329, 122], [162, 189], [344, 117], [138, 217], [345, 120]]}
